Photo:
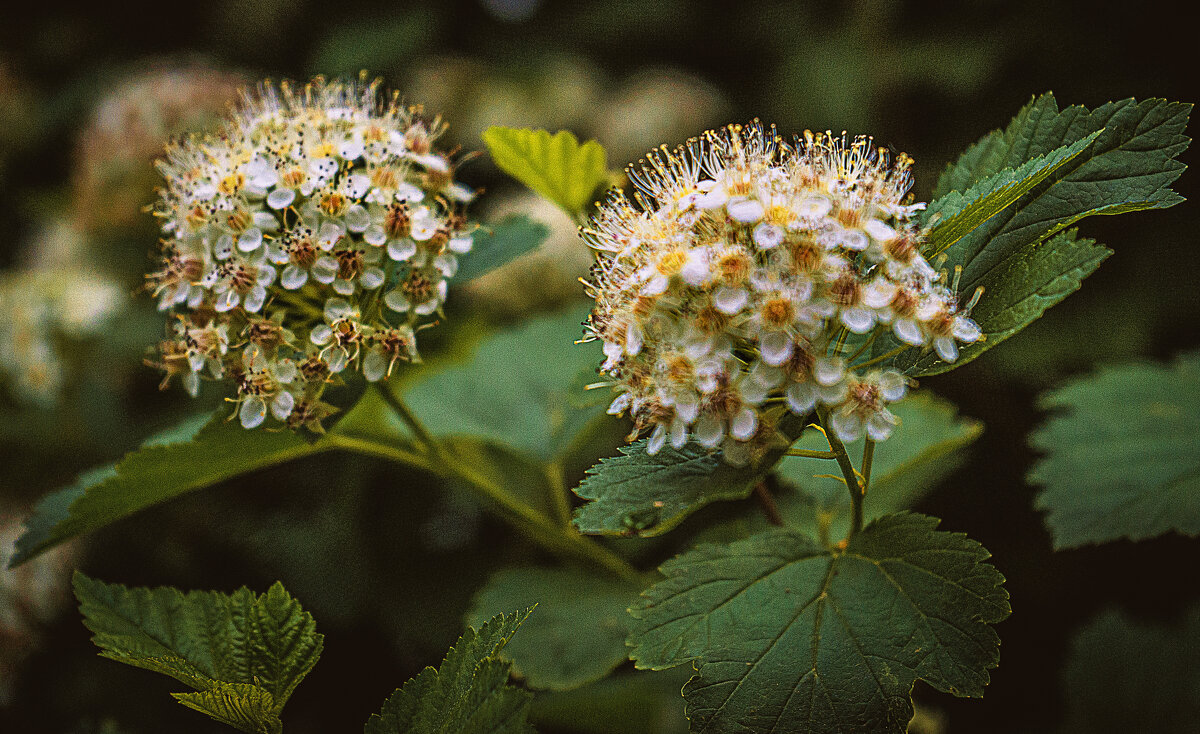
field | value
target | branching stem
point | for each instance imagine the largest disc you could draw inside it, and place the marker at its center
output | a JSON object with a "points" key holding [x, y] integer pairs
{"points": [[853, 483], [561, 539]]}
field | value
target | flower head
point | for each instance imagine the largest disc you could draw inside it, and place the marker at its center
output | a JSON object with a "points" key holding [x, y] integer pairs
{"points": [[747, 276], [314, 234]]}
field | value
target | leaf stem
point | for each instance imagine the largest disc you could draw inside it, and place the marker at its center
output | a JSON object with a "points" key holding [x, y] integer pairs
{"points": [[809, 454], [767, 501], [852, 477], [558, 539], [867, 458], [882, 357], [560, 497]]}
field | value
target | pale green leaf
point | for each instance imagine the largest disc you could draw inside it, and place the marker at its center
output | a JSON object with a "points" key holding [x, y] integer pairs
{"points": [[240, 705], [648, 701], [499, 243], [1122, 454], [1123, 676], [467, 694], [578, 633], [244, 652], [523, 389], [555, 166], [787, 635]]}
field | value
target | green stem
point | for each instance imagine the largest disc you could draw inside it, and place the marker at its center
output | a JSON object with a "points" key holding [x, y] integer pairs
{"points": [[809, 454], [882, 357], [847, 467], [559, 539], [560, 497], [868, 458]]}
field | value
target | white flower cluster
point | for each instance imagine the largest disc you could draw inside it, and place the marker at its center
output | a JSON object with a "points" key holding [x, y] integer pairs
{"points": [[314, 234], [751, 277]]}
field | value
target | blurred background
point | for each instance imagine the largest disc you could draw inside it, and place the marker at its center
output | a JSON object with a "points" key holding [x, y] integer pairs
{"points": [[89, 92]]}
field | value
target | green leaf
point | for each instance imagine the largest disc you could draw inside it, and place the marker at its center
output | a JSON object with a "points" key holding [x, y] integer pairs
{"points": [[1129, 165], [555, 166], [467, 694], [636, 494], [240, 705], [960, 213], [171, 464], [1122, 454], [523, 389], [243, 653], [929, 444], [787, 635], [1123, 676], [578, 633], [500, 243]]}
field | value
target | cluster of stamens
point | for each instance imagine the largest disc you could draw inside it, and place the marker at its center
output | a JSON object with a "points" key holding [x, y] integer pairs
{"points": [[752, 276], [314, 234]]}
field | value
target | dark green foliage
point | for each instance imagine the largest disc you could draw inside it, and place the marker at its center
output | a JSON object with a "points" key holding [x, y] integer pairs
{"points": [[243, 653], [578, 633], [467, 694], [1122, 454], [789, 636]]}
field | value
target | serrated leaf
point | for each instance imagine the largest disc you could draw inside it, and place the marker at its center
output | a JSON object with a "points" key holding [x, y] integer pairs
{"points": [[1124, 676], [928, 445], [1128, 166], [636, 494], [239, 705], [498, 244], [521, 390], [171, 464], [467, 694], [578, 633], [555, 166], [243, 653], [788, 636], [1122, 454], [960, 212]]}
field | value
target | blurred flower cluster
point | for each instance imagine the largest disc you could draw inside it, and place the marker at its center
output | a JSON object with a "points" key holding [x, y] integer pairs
{"points": [[316, 232], [68, 284], [751, 275], [47, 306], [113, 179]]}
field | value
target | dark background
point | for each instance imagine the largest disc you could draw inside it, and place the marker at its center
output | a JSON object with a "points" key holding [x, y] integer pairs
{"points": [[388, 573]]}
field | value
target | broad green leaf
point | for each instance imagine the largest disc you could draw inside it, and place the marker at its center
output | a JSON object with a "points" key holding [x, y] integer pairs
{"points": [[930, 443], [1123, 676], [636, 494], [467, 694], [959, 213], [523, 389], [578, 633], [555, 166], [1033, 280], [498, 244], [170, 464], [787, 635], [243, 653], [1122, 454], [1128, 166]]}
